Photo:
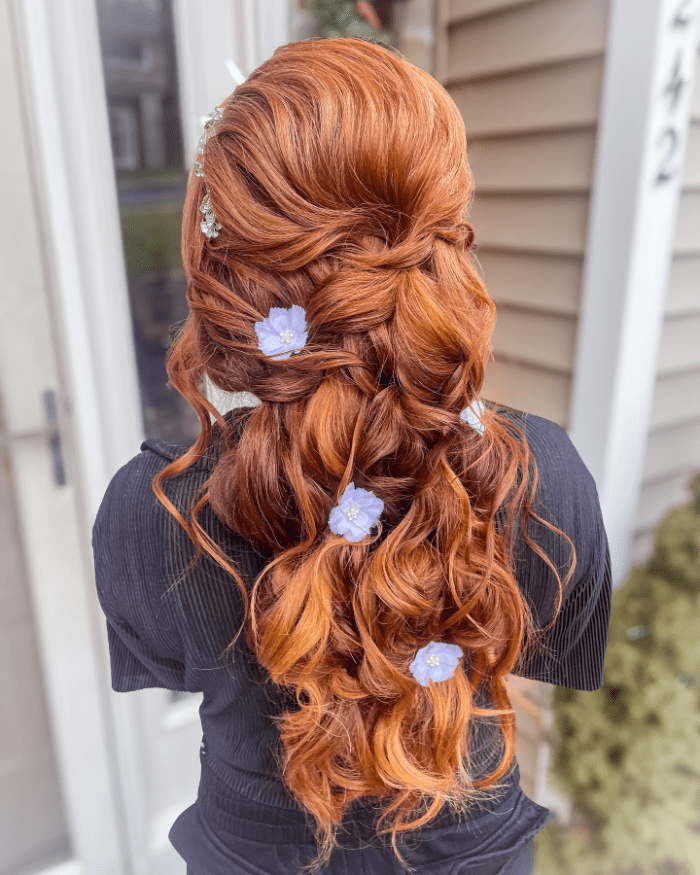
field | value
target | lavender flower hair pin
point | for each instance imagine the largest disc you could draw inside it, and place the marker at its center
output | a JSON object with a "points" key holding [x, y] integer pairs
{"points": [[356, 513], [435, 662], [283, 332]]}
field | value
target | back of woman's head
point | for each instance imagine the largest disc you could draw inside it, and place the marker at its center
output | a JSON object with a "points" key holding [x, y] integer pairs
{"points": [[339, 176]]}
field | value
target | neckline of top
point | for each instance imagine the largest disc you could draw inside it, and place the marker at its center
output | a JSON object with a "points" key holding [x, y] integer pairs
{"points": [[175, 451]]}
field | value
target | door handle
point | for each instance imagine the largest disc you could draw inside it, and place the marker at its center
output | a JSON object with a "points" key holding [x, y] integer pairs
{"points": [[49, 432]]}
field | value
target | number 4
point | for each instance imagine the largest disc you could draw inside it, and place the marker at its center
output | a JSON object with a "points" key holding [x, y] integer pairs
{"points": [[665, 171], [676, 83], [679, 20]]}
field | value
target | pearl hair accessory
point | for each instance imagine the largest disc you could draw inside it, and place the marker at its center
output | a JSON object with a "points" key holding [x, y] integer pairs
{"points": [[283, 333], [209, 225], [209, 129]]}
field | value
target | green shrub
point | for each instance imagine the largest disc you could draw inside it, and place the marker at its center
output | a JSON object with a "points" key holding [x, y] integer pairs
{"points": [[339, 18], [151, 234], [628, 754]]}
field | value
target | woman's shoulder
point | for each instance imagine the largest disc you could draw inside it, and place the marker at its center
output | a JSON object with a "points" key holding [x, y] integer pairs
{"points": [[129, 500], [565, 495], [559, 462], [539, 427], [161, 449]]}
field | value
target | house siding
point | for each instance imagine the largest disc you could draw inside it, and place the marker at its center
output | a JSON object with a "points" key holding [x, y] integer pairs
{"points": [[526, 77]]}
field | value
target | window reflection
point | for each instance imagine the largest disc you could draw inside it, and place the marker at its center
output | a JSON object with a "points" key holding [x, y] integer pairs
{"points": [[140, 69]]}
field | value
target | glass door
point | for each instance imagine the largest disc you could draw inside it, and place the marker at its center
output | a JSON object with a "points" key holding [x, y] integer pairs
{"points": [[105, 99], [137, 42]]}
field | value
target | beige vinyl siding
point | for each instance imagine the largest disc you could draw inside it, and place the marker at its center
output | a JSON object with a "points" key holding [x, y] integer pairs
{"points": [[537, 338], [532, 35], [676, 399], [687, 237], [691, 177], [686, 450], [526, 77], [563, 96], [553, 160], [548, 223], [463, 9], [533, 388], [673, 448], [537, 281]]}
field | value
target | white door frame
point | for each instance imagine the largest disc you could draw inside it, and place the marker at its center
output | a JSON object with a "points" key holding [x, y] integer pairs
{"points": [[67, 113], [84, 256], [245, 32]]}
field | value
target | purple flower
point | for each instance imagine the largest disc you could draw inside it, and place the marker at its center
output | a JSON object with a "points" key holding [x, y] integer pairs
{"points": [[356, 512], [435, 662], [471, 415], [283, 332]]}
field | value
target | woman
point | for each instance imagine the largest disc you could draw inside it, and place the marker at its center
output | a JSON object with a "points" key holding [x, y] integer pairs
{"points": [[389, 542]]}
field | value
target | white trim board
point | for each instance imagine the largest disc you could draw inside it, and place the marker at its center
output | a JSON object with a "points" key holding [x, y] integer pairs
{"points": [[207, 37], [629, 248]]}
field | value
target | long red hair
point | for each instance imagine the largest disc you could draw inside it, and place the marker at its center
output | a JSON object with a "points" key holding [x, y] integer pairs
{"points": [[339, 174]]}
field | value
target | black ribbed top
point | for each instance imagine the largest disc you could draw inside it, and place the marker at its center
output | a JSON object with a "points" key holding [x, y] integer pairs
{"points": [[173, 639]]}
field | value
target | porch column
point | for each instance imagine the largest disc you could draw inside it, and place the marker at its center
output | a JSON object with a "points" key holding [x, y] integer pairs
{"points": [[645, 109]]}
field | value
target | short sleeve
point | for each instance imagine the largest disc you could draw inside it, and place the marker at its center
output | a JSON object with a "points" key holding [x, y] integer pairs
{"points": [[572, 652], [128, 539]]}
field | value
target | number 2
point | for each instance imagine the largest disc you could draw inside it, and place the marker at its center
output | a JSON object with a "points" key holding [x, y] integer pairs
{"points": [[665, 172]]}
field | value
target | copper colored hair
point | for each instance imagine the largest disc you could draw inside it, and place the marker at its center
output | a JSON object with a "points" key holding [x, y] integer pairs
{"points": [[339, 173]]}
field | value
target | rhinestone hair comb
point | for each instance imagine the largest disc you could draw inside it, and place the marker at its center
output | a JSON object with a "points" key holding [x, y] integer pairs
{"points": [[209, 225]]}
